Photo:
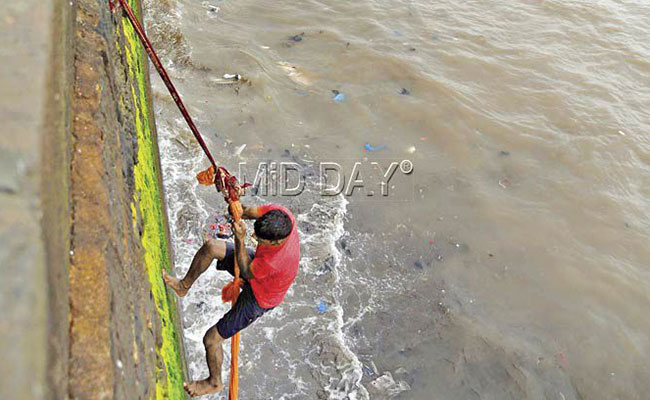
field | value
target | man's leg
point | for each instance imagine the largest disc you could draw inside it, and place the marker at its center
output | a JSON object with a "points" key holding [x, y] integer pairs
{"points": [[245, 311], [227, 262], [214, 355], [211, 249]]}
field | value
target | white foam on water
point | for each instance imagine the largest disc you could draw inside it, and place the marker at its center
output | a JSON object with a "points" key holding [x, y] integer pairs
{"points": [[349, 384]]}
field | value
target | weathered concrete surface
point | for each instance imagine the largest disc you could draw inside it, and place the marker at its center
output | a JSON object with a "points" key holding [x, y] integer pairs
{"points": [[34, 217], [83, 231], [55, 199]]}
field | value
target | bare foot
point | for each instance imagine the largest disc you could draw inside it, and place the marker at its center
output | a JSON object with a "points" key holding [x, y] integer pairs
{"points": [[199, 388], [174, 283]]}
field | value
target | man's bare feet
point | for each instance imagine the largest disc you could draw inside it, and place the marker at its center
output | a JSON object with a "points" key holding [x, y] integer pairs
{"points": [[174, 283], [199, 388]]}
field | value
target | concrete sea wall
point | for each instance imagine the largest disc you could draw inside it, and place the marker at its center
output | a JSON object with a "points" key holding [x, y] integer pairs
{"points": [[82, 215]]}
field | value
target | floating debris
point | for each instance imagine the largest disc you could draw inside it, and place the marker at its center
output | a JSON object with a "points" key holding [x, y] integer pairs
{"points": [[229, 79], [338, 96], [297, 38], [218, 226], [321, 307], [210, 7], [411, 150], [405, 92], [369, 147]]}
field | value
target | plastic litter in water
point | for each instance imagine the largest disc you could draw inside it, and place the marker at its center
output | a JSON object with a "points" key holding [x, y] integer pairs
{"points": [[370, 147], [218, 226], [321, 307], [297, 38], [404, 92], [210, 7], [338, 96], [411, 150]]}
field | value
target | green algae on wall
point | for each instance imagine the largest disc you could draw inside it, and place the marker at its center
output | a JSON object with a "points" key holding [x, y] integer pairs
{"points": [[149, 203]]}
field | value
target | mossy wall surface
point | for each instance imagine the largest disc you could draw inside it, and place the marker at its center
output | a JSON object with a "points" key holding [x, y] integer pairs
{"points": [[149, 198], [125, 338]]}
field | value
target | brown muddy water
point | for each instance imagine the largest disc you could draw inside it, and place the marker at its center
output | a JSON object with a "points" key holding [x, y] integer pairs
{"points": [[513, 263]]}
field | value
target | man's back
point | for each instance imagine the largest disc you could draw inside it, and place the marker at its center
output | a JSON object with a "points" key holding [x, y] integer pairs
{"points": [[275, 266]]}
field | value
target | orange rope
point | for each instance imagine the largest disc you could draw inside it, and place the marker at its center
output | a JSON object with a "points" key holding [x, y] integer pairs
{"points": [[231, 190], [230, 292]]}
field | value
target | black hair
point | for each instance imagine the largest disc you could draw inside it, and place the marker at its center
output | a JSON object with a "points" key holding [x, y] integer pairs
{"points": [[274, 225]]}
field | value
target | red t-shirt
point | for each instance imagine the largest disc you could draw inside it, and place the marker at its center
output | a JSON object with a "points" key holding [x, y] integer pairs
{"points": [[275, 267]]}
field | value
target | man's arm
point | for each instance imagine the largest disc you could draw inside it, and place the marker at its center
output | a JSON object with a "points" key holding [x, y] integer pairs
{"points": [[243, 259], [250, 212]]}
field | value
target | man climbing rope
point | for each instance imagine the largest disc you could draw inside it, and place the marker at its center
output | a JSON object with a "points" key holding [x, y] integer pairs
{"points": [[268, 273]]}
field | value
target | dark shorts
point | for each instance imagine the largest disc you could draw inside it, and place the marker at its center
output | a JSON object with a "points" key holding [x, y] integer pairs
{"points": [[246, 309]]}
